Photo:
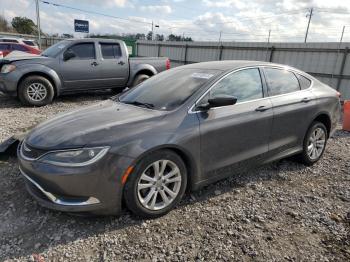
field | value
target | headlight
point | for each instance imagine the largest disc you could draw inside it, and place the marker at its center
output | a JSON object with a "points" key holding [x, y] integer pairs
{"points": [[75, 157], [7, 68]]}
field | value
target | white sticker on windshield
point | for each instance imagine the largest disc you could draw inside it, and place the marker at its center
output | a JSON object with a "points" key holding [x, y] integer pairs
{"points": [[202, 75]]}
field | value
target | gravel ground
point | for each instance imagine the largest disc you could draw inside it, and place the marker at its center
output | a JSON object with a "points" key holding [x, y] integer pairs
{"points": [[282, 211]]}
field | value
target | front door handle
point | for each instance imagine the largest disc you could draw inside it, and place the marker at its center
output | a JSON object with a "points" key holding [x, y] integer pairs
{"points": [[121, 63], [305, 100], [94, 64], [262, 108]]}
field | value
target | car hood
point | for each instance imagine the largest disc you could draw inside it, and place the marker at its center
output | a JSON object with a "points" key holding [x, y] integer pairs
{"points": [[98, 124]]}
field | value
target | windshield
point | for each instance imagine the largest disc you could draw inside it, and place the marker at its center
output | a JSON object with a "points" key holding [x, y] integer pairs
{"points": [[168, 90], [54, 50]]}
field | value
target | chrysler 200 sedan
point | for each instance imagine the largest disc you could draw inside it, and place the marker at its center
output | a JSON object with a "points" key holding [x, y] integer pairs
{"points": [[181, 129]]}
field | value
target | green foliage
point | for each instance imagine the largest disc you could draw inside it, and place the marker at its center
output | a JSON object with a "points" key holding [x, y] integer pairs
{"points": [[23, 25], [4, 25]]}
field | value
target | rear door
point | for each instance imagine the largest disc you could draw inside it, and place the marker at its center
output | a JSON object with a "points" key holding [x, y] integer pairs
{"points": [[114, 67], [235, 137], [82, 71], [293, 109]]}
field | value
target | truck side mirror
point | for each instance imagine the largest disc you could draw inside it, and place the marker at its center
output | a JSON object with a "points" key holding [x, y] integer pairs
{"points": [[68, 54]]}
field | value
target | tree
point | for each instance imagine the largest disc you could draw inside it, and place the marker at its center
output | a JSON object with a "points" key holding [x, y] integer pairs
{"points": [[173, 37], [149, 35], [159, 37], [4, 25], [23, 25]]}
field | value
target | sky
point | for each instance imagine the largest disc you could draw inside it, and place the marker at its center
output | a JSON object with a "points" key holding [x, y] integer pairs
{"points": [[206, 20]]}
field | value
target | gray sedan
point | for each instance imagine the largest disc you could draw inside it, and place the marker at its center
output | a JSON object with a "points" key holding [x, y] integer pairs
{"points": [[181, 129]]}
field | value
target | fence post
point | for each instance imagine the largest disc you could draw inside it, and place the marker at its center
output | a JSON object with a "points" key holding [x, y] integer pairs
{"points": [[158, 50], [346, 51], [185, 56], [220, 52], [271, 53], [137, 49]]}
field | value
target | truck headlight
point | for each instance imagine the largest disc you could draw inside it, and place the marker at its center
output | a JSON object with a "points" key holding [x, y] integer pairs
{"points": [[7, 68], [75, 157]]}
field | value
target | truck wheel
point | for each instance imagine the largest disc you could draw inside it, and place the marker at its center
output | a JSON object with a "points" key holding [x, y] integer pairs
{"points": [[156, 185], [139, 79], [35, 91]]}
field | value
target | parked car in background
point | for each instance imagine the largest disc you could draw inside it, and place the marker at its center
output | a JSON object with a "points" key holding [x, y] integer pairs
{"points": [[7, 48], [28, 42], [181, 129], [74, 66]]}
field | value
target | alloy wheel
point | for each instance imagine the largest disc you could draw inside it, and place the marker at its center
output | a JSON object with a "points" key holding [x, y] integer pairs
{"points": [[316, 143], [36, 92], [159, 185]]}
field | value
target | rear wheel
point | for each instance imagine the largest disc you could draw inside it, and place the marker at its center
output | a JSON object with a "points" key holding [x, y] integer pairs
{"points": [[156, 185], [314, 143], [35, 91], [139, 79]]}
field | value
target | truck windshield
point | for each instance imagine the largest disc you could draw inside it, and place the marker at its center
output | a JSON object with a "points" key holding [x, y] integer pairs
{"points": [[55, 49], [168, 90]]}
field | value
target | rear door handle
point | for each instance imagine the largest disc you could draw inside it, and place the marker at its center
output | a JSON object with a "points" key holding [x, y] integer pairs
{"points": [[94, 64], [262, 108], [121, 63], [305, 100]]}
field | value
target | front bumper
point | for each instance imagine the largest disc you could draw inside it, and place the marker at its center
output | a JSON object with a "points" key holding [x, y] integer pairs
{"points": [[96, 188], [9, 82]]}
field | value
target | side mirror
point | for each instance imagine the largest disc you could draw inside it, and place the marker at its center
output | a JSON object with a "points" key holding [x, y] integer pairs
{"points": [[68, 54], [217, 102]]}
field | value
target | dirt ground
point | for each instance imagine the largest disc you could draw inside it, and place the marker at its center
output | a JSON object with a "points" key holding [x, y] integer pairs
{"points": [[279, 212]]}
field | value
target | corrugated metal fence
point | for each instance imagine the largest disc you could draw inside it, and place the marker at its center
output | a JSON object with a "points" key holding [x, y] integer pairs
{"points": [[329, 62]]}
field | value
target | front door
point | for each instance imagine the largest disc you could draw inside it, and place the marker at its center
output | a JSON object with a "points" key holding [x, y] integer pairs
{"points": [[235, 137], [81, 71]]}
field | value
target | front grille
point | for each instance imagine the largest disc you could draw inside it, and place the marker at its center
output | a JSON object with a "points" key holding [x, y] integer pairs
{"points": [[31, 152]]}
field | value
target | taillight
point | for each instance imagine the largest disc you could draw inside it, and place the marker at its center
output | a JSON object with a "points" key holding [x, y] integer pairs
{"points": [[338, 94], [1, 54], [167, 64]]}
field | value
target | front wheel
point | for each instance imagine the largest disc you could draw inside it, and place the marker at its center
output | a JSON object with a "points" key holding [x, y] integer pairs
{"points": [[314, 143], [35, 91], [157, 184]]}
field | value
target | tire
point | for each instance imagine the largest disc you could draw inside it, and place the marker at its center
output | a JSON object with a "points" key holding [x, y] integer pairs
{"points": [[26, 91], [139, 79], [136, 197], [305, 156]]}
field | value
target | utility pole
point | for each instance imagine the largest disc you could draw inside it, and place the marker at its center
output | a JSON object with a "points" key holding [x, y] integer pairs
{"points": [[342, 35], [268, 42], [308, 24], [38, 22], [152, 31]]}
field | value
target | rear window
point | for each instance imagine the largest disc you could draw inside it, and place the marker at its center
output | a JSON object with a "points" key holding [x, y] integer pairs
{"points": [[110, 50], [281, 81], [170, 89], [19, 48], [4, 47], [31, 43]]}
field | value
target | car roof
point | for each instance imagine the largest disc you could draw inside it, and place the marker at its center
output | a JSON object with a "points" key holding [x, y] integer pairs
{"points": [[231, 64]]}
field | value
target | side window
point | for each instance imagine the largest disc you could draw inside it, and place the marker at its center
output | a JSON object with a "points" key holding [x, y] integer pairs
{"points": [[84, 51], [245, 85], [110, 50], [19, 48], [4, 47], [281, 81], [304, 82]]}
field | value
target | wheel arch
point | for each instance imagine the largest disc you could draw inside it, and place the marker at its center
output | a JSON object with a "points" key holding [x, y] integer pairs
{"points": [[325, 119], [188, 159], [54, 82]]}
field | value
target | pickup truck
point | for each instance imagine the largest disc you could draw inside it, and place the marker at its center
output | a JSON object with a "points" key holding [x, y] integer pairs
{"points": [[73, 66]]}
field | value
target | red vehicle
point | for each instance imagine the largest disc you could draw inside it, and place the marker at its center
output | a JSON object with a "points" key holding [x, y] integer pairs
{"points": [[6, 48]]}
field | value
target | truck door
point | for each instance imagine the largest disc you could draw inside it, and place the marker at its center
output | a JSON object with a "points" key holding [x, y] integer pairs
{"points": [[114, 65], [81, 71]]}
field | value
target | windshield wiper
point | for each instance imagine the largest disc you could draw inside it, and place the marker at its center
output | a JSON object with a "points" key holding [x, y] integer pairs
{"points": [[138, 103]]}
